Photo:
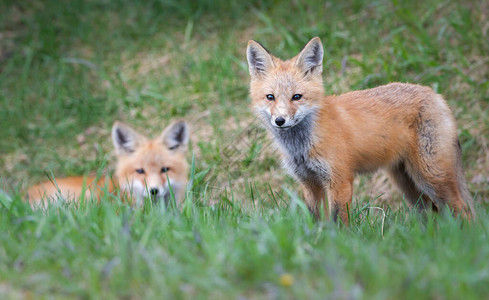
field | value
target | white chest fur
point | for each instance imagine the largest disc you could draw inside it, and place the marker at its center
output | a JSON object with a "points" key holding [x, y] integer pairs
{"points": [[296, 144]]}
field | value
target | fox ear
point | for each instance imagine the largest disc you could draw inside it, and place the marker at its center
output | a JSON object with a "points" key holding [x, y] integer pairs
{"points": [[176, 136], [125, 139], [310, 59], [259, 60]]}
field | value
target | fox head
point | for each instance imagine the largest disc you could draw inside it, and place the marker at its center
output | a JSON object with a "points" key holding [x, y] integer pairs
{"points": [[147, 168], [283, 93]]}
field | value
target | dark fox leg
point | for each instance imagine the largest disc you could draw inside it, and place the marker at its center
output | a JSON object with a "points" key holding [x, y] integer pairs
{"points": [[415, 196]]}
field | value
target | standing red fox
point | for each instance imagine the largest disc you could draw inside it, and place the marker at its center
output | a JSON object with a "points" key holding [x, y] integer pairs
{"points": [[143, 167], [325, 140]]}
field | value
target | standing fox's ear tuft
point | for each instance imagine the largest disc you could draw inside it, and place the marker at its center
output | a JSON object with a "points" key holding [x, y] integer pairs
{"points": [[310, 59], [125, 139], [176, 136], [259, 60]]}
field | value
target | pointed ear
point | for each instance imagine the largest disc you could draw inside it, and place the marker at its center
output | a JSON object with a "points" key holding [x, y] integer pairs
{"points": [[259, 60], [310, 59], [176, 136], [125, 139]]}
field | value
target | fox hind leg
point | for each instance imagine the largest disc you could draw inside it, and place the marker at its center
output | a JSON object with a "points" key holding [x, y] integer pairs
{"points": [[412, 193], [447, 192], [442, 181], [434, 162]]}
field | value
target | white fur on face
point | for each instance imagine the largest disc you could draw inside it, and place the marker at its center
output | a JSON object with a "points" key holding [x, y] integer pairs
{"points": [[264, 113], [176, 187], [140, 191], [136, 189], [301, 113], [289, 122]]}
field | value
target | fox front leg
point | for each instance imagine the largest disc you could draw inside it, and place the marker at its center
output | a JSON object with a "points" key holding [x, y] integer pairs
{"points": [[315, 197], [339, 200]]}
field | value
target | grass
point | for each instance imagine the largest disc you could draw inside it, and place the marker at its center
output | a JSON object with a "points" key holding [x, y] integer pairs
{"points": [[228, 251], [68, 71]]}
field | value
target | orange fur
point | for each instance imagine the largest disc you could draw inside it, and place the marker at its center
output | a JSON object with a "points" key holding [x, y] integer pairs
{"points": [[406, 129], [139, 171], [70, 188]]}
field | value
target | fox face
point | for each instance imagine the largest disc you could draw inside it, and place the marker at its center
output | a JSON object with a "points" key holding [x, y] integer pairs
{"points": [[283, 93], [150, 168]]}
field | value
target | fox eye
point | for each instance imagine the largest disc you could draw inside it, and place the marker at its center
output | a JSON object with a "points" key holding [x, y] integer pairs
{"points": [[297, 97], [270, 97], [165, 169], [140, 171]]}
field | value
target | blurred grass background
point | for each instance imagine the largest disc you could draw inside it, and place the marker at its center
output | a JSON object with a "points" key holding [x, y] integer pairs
{"points": [[68, 70]]}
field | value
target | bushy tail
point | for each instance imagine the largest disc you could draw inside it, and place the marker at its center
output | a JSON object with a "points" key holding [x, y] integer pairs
{"points": [[462, 184]]}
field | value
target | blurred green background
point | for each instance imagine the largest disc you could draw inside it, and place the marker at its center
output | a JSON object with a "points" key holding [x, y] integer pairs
{"points": [[68, 69]]}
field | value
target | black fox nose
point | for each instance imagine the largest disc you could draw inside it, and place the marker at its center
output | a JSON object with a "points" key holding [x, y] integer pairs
{"points": [[153, 191], [279, 121]]}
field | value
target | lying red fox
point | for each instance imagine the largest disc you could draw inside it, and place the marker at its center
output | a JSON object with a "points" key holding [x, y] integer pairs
{"points": [[145, 168]]}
